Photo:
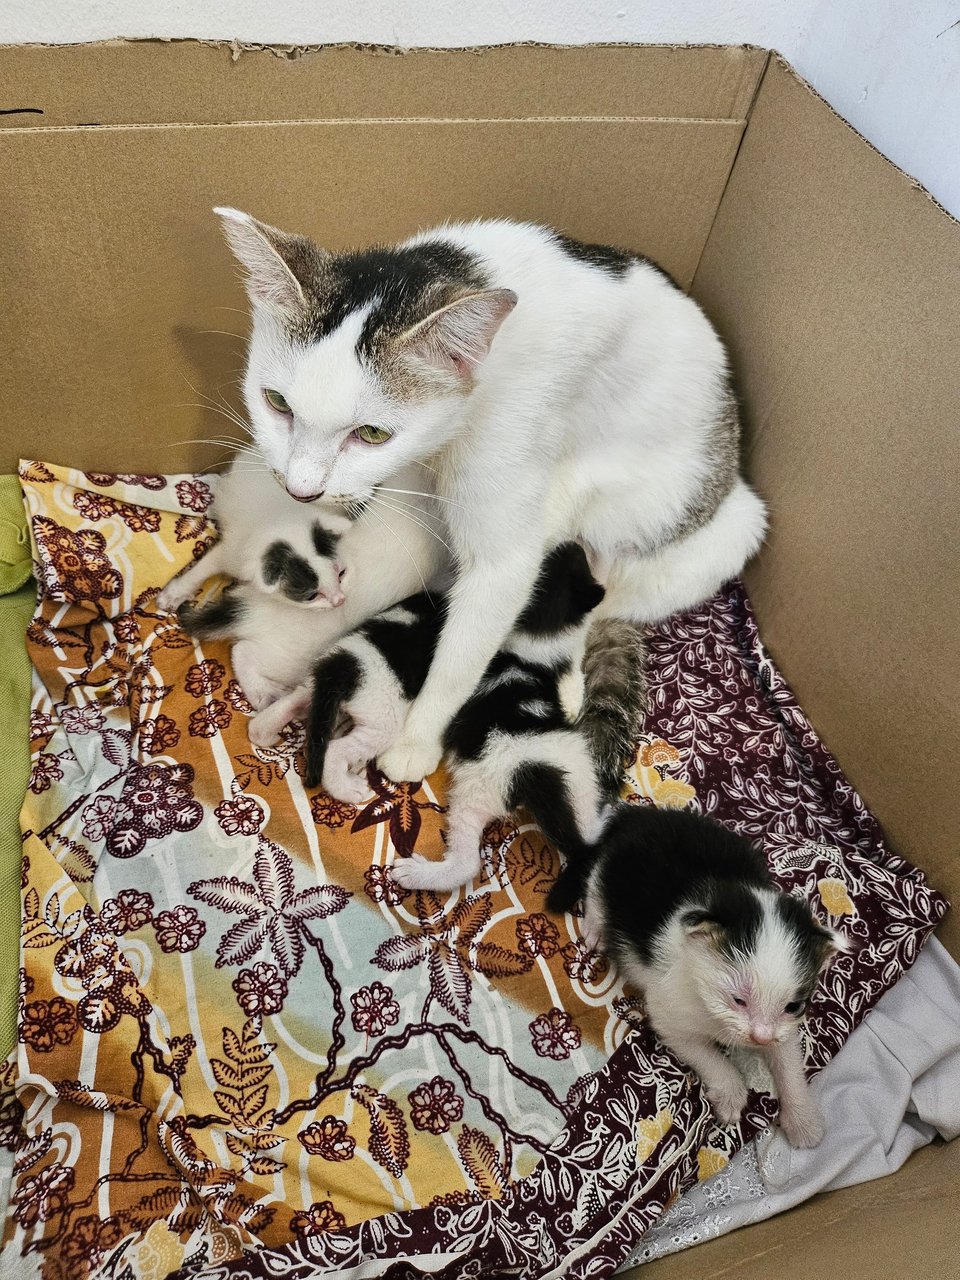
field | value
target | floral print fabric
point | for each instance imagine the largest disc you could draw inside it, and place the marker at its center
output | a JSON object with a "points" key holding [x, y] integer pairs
{"points": [[245, 1051]]}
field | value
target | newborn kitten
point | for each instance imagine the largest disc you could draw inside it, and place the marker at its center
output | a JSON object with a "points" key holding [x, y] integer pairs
{"points": [[510, 745], [270, 540], [690, 914], [386, 553]]}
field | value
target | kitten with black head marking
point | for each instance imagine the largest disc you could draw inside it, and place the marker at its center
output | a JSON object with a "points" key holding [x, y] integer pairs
{"points": [[511, 744], [269, 540], [689, 913], [281, 554]]}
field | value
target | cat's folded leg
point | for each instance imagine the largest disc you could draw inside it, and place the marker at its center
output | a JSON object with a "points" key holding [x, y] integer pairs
{"points": [[188, 582], [265, 727], [800, 1117], [258, 688], [684, 573]]}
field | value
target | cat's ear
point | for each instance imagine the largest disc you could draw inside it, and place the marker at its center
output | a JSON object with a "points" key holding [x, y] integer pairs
{"points": [[458, 336], [699, 925], [279, 265]]}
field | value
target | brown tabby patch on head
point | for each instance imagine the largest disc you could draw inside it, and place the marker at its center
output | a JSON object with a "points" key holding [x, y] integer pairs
{"points": [[398, 287]]}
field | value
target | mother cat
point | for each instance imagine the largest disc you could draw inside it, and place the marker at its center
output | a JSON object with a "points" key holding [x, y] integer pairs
{"points": [[560, 391]]}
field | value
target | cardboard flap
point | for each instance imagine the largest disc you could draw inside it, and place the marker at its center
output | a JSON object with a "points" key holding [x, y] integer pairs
{"points": [[835, 279]]}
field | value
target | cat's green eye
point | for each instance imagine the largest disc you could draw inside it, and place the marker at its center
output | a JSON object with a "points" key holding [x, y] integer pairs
{"points": [[276, 401], [372, 435]]}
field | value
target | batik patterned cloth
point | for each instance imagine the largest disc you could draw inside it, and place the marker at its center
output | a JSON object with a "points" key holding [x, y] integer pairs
{"points": [[244, 1051]]}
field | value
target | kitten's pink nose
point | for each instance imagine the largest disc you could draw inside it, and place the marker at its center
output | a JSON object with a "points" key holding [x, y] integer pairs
{"points": [[303, 497], [336, 598], [761, 1035]]}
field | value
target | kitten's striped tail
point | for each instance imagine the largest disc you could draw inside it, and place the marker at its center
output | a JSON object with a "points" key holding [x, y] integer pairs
{"points": [[614, 699]]}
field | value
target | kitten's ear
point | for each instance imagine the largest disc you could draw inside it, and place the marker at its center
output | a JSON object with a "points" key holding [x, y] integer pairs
{"points": [[832, 944], [698, 924], [458, 336], [278, 265]]}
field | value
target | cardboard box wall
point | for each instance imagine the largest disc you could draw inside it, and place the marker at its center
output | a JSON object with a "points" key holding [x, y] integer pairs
{"points": [[831, 274]]}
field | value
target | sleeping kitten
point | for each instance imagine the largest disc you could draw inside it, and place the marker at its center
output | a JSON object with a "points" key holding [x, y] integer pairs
{"points": [[690, 914], [510, 745], [384, 554], [270, 540]]}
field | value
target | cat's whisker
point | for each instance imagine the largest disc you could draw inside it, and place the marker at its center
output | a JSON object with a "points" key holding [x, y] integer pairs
{"points": [[413, 520], [380, 520], [416, 493]]}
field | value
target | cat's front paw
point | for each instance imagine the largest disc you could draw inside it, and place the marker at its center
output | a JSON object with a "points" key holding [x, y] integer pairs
{"points": [[261, 730], [728, 1100], [417, 872], [803, 1125], [410, 759]]}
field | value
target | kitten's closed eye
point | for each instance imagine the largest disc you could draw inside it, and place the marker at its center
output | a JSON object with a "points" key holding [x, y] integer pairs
{"points": [[741, 1003], [793, 1007]]}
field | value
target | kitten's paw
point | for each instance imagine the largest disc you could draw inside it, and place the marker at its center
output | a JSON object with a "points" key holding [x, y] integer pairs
{"points": [[172, 597], [728, 1101], [803, 1125], [410, 759], [261, 731], [350, 788], [417, 872]]}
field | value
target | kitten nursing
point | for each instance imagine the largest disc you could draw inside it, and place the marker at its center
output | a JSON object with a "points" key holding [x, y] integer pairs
{"points": [[690, 914], [558, 391], [509, 745]]}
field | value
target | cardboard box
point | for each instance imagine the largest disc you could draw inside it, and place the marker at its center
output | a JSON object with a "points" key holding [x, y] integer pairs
{"points": [[832, 275]]}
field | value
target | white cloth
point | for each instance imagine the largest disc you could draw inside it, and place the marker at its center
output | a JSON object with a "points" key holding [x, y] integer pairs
{"points": [[893, 1086]]}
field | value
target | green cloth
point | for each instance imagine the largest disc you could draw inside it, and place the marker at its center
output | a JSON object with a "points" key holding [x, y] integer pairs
{"points": [[17, 602]]}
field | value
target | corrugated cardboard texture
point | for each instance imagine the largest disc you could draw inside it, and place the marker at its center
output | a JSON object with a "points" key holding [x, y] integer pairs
{"points": [[906, 1227], [116, 274], [836, 281]]}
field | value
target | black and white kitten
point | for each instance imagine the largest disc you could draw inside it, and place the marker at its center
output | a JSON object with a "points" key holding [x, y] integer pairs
{"points": [[270, 540], [690, 914], [511, 745]]}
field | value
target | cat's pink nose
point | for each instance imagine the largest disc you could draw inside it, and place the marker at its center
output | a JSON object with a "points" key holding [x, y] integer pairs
{"points": [[336, 598], [303, 497]]}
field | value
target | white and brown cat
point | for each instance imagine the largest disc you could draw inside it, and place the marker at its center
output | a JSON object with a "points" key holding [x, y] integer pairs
{"points": [[558, 390]]}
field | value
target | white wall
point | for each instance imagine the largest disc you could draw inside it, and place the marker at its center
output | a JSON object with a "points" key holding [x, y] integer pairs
{"points": [[890, 67]]}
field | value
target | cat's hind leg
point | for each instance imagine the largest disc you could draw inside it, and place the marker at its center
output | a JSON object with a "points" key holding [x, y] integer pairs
{"points": [[685, 573], [265, 727]]}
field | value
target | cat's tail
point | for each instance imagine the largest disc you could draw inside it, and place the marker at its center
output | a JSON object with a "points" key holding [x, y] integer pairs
{"points": [[543, 791], [335, 680], [215, 620], [614, 698]]}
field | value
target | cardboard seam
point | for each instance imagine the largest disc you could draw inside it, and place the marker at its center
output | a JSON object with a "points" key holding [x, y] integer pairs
{"points": [[733, 164], [917, 185], [337, 121]]}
